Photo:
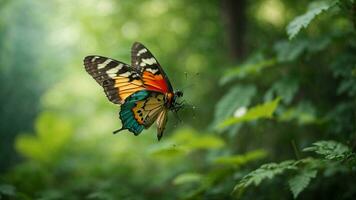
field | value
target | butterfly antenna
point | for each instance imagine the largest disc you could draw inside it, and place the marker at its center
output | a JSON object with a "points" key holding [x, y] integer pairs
{"points": [[186, 78]]}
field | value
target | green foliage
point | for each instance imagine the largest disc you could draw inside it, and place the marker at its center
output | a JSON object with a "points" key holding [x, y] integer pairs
{"points": [[24, 74], [187, 178], [228, 103], [52, 136], [303, 170], [343, 68], [286, 88], [303, 113], [60, 122], [330, 150], [260, 111], [266, 171], [302, 21], [300, 181], [216, 176]]}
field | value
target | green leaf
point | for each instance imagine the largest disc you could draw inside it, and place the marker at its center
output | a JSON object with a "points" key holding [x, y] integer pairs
{"points": [[266, 171], [299, 182], [261, 111], [288, 51], [187, 178], [238, 160], [236, 97], [331, 150], [302, 21], [285, 88], [52, 135]]}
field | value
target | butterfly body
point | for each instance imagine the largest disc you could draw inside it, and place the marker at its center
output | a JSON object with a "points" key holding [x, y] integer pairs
{"points": [[142, 89]]}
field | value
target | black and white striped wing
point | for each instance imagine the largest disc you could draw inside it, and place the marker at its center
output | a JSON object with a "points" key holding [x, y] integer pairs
{"points": [[118, 79], [152, 74]]}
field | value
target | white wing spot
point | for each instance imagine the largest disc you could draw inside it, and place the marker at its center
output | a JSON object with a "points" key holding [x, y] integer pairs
{"points": [[102, 65], [153, 71], [94, 58], [141, 52], [148, 61], [112, 72], [126, 74]]}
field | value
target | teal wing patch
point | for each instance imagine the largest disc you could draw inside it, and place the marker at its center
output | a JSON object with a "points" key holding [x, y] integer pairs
{"points": [[140, 110], [127, 116]]}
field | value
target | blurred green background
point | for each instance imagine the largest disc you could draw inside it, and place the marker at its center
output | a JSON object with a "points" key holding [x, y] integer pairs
{"points": [[273, 83]]}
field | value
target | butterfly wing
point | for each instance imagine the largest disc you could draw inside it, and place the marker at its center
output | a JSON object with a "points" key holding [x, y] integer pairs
{"points": [[153, 76], [118, 79], [161, 122], [141, 110]]}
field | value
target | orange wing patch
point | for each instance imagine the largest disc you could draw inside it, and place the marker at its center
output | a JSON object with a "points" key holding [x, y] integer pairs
{"points": [[118, 79], [154, 82], [126, 88]]}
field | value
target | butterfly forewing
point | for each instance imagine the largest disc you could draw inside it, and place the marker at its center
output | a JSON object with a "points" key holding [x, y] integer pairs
{"points": [[153, 76], [118, 79]]}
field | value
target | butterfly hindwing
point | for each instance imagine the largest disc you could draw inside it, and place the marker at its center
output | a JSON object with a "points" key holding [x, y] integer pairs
{"points": [[118, 79], [153, 76], [161, 123], [141, 110]]}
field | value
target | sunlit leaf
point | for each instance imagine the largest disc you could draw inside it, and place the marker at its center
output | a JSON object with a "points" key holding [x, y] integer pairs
{"points": [[265, 110], [187, 178], [302, 21], [169, 151], [299, 182], [52, 134], [237, 97]]}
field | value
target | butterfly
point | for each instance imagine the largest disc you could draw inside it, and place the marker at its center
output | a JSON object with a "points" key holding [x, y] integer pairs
{"points": [[143, 89]]}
